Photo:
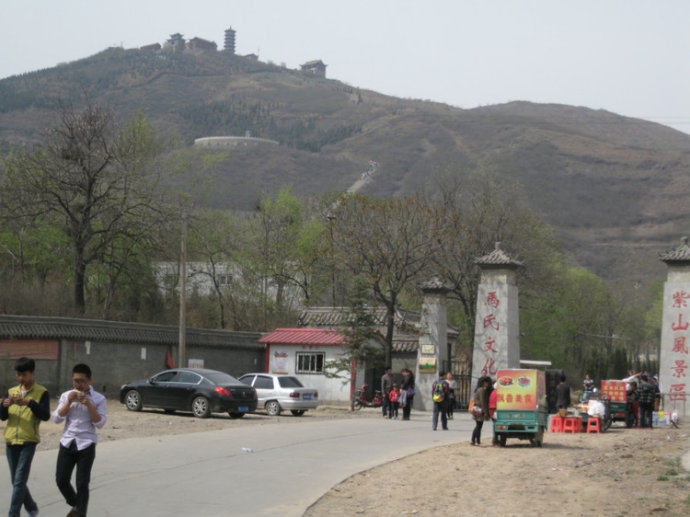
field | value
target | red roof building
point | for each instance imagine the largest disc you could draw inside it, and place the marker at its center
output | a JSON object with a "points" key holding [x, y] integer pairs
{"points": [[303, 336]]}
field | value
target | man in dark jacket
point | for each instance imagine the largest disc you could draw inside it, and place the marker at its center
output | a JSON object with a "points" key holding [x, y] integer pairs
{"points": [[646, 398], [562, 394]]}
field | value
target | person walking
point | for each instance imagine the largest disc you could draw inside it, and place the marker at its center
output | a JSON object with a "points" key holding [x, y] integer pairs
{"points": [[408, 387], [24, 407], [83, 410], [452, 386], [480, 411], [493, 404], [386, 387], [439, 393]]}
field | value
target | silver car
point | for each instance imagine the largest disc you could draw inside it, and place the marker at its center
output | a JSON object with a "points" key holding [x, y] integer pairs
{"points": [[281, 392]]}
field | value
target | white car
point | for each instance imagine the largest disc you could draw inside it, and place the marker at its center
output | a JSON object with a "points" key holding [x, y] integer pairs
{"points": [[281, 392]]}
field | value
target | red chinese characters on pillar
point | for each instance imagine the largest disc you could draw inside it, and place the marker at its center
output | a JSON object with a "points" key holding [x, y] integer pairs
{"points": [[492, 300], [680, 325], [679, 368], [491, 323], [677, 392], [680, 345], [490, 366], [490, 346], [680, 299]]}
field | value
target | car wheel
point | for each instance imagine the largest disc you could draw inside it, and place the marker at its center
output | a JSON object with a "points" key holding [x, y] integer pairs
{"points": [[200, 407], [273, 408], [133, 400], [297, 412], [235, 415]]}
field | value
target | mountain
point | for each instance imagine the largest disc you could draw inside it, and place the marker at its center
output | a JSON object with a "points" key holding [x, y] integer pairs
{"points": [[614, 188]]}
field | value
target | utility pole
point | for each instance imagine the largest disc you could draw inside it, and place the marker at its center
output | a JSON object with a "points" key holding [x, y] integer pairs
{"points": [[182, 341]]}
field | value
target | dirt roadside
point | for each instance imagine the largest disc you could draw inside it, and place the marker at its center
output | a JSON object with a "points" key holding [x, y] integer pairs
{"points": [[623, 472]]}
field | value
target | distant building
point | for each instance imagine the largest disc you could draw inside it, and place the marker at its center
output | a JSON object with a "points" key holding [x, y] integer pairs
{"points": [[316, 67], [153, 47], [201, 44], [176, 43], [230, 40], [252, 57]]}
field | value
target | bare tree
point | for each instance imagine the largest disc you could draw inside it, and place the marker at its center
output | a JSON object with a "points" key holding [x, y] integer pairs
{"points": [[389, 242], [95, 179]]}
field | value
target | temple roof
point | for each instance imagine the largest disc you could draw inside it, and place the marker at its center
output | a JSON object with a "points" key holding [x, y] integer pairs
{"points": [[681, 254], [497, 257]]}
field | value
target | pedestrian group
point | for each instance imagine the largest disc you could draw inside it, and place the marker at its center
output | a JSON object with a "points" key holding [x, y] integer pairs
{"points": [[24, 407]]}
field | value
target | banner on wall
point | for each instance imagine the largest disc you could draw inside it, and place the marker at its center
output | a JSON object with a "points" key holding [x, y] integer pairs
{"points": [[279, 362], [33, 348]]}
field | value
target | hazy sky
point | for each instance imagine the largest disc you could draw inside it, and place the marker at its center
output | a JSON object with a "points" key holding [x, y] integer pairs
{"points": [[630, 57]]}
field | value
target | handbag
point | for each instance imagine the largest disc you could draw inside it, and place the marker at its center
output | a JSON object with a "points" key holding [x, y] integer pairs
{"points": [[474, 410], [410, 392]]}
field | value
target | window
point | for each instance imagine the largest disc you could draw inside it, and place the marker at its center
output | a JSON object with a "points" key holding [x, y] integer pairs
{"points": [[263, 383], [310, 362], [289, 382], [188, 377], [165, 377]]}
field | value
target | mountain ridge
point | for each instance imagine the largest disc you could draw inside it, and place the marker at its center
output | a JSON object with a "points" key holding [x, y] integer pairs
{"points": [[613, 187]]}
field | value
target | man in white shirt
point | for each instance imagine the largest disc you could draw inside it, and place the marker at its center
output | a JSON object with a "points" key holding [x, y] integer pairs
{"points": [[83, 410]]}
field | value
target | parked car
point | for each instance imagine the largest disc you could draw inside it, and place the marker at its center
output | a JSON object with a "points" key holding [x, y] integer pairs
{"points": [[281, 392], [190, 389]]}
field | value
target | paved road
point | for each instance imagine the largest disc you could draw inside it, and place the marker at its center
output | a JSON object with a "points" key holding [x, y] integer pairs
{"points": [[208, 474]]}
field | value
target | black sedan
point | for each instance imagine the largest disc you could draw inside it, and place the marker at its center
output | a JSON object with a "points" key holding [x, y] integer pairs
{"points": [[190, 389]]}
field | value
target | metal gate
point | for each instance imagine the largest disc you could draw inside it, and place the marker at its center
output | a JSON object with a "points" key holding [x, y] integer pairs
{"points": [[462, 373]]}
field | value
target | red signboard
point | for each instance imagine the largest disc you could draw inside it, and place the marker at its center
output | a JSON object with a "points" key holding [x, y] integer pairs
{"points": [[33, 348], [615, 390]]}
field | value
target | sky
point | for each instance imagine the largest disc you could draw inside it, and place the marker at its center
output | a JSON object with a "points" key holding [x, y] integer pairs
{"points": [[630, 57]]}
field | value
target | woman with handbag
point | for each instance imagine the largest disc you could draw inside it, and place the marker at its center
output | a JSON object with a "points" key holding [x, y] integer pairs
{"points": [[408, 387], [480, 410]]}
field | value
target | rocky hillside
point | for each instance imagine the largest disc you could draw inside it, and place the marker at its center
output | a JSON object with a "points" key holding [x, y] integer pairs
{"points": [[615, 188]]}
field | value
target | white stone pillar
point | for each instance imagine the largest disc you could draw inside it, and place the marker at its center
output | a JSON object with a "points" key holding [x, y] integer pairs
{"points": [[432, 353], [497, 324], [674, 360]]}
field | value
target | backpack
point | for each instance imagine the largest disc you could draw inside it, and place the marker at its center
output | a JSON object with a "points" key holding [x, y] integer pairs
{"points": [[439, 391]]}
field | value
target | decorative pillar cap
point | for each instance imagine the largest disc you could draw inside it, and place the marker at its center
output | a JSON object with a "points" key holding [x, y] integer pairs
{"points": [[498, 258], [677, 256], [435, 285]]}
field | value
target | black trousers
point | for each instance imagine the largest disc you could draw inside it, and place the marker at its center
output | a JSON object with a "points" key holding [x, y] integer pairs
{"points": [[477, 432], [68, 458]]}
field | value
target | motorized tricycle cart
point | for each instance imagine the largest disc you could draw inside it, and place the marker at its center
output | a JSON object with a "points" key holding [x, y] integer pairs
{"points": [[521, 406]]}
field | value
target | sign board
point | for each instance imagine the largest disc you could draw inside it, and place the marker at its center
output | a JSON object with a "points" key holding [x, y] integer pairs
{"points": [[614, 390], [520, 389]]}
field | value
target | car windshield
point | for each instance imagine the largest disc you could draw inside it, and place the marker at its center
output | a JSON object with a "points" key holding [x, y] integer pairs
{"points": [[221, 378], [289, 382]]}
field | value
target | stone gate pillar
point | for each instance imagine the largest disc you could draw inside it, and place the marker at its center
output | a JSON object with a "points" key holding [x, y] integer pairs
{"points": [[432, 353], [497, 325], [674, 358]]}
